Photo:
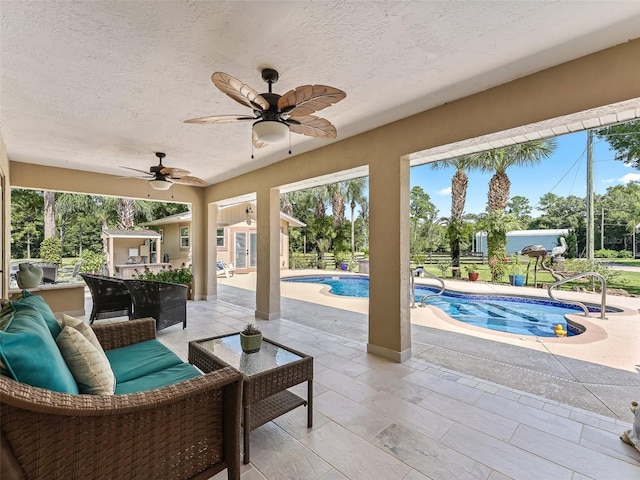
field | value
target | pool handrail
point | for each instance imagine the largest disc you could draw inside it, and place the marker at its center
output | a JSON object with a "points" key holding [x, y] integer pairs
{"points": [[603, 298], [413, 286]]}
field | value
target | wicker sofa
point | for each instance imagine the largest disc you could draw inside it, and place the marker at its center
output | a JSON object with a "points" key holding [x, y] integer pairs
{"points": [[186, 430]]}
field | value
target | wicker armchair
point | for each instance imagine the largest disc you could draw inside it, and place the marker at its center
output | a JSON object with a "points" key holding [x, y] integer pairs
{"points": [[166, 302], [188, 430], [110, 297]]}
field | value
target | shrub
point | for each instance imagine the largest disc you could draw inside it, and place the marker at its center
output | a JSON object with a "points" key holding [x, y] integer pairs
{"points": [[625, 254], [341, 257], [605, 253], [91, 261], [498, 267], [180, 275], [51, 250], [443, 265]]}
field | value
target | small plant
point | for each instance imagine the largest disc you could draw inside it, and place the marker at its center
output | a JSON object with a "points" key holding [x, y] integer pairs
{"points": [[516, 267], [498, 268], [443, 265], [471, 268], [251, 329], [182, 275]]}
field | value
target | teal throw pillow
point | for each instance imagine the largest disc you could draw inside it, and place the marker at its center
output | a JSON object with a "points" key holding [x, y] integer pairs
{"points": [[40, 304], [29, 352]]}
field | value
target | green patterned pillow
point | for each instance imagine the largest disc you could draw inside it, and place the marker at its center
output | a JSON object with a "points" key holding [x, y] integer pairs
{"points": [[83, 328], [89, 366]]}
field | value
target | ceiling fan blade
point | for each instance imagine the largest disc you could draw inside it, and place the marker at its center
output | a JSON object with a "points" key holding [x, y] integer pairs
{"points": [[137, 170], [174, 172], [186, 180], [306, 99], [312, 126], [240, 92], [256, 141], [220, 119]]}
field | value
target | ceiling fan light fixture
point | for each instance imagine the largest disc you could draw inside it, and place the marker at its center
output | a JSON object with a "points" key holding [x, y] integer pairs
{"points": [[270, 131], [160, 184]]}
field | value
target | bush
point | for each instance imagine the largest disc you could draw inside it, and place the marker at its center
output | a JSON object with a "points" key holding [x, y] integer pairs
{"points": [[51, 250], [91, 261], [605, 253], [182, 275], [625, 254]]}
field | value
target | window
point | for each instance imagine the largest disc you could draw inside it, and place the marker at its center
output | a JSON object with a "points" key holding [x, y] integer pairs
{"points": [[220, 237], [161, 232], [184, 237]]}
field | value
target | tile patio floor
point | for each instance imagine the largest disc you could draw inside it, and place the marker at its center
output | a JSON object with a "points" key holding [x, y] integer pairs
{"points": [[376, 419]]}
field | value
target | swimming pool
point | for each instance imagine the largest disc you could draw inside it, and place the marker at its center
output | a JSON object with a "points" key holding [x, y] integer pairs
{"points": [[518, 315]]}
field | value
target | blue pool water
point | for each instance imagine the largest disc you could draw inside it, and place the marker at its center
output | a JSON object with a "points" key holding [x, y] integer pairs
{"points": [[522, 316]]}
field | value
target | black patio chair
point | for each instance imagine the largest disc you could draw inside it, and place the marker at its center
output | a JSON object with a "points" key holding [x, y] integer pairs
{"points": [[166, 302], [110, 297]]}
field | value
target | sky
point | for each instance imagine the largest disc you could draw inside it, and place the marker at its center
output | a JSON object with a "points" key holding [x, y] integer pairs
{"points": [[564, 174]]}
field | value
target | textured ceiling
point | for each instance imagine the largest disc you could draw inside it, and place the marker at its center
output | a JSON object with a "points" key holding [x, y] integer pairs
{"points": [[94, 85]]}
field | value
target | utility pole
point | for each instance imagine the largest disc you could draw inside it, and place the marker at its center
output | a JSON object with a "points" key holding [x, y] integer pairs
{"points": [[602, 228], [590, 216]]}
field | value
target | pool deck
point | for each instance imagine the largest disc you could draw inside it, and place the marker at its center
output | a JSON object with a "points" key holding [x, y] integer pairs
{"points": [[597, 371]]}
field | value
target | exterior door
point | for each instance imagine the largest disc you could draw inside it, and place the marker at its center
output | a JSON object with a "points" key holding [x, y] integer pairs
{"points": [[241, 252]]}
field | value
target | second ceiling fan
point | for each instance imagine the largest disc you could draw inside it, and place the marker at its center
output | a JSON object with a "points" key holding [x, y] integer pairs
{"points": [[276, 115]]}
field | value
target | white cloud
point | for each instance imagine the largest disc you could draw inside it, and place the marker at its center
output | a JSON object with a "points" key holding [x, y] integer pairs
{"points": [[608, 180], [445, 191], [630, 177]]}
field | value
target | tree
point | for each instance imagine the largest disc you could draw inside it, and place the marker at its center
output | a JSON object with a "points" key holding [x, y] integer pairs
{"points": [[424, 232], [455, 227], [625, 140], [49, 214], [499, 161], [355, 194], [520, 207]]}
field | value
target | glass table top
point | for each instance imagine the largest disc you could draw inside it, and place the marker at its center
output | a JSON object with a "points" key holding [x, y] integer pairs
{"points": [[268, 357]]}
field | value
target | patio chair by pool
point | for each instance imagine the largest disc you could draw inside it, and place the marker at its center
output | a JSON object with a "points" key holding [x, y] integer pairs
{"points": [[226, 269]]}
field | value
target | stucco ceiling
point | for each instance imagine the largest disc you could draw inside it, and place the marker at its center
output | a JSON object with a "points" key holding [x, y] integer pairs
{"points": [[95, 85]]}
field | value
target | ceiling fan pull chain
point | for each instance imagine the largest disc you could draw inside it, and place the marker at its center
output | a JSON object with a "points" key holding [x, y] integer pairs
{"points": [[289, 141], [252, 149]]}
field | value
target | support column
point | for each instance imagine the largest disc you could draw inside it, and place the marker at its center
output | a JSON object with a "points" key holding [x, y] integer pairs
{"points": [[389, 312], [199, 249], [268, 272], [212, 252]]}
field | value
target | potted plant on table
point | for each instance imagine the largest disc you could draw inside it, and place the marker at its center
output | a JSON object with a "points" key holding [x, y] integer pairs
{"points": [[472, 272], [250, 339], [516, 273]]}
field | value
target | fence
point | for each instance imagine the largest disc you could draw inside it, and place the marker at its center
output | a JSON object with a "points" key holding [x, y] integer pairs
{"points": [[299, 261]]}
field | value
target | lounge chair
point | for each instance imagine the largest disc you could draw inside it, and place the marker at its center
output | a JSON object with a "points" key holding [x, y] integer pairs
{"points": [[226, 269]]}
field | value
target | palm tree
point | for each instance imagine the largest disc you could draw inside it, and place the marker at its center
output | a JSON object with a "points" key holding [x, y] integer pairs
{"points": [[498, 161], [459, 183], [355, 190], [49, 214], [336, 193]]}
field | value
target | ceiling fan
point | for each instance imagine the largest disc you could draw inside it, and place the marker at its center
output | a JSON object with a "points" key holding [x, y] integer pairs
{"points": [[276, 115], [164, 177]]}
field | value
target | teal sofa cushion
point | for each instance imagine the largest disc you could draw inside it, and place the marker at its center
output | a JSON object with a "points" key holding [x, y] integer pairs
{"points": [[29, 352], [168, 376], [40, 304], [140, 359]]}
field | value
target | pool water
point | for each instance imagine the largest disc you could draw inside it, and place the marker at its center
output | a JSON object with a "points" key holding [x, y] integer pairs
{"points": [[518, 315]]}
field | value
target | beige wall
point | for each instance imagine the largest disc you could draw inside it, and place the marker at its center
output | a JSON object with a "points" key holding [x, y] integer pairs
{"points": [[5, 216]]}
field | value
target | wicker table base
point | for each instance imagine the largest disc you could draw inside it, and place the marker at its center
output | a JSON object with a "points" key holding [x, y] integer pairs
{"points": [[267, 376]]}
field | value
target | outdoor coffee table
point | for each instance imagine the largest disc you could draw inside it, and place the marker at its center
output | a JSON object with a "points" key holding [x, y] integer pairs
{"points": [[267, 373]]}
